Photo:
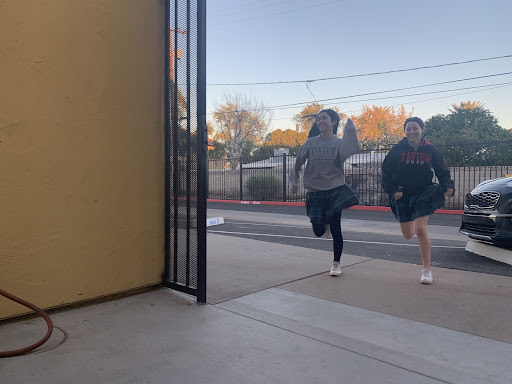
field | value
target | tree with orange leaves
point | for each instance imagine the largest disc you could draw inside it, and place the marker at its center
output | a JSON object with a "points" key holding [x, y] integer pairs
{"points": [[378, 126], [287, 139], [305, 118]]}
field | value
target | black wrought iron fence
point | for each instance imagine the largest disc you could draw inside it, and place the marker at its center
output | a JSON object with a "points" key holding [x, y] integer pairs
{"points": [[267, 179]]}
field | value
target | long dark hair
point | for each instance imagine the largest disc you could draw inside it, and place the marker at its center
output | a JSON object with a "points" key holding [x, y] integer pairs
{"points": [[315, 131]]}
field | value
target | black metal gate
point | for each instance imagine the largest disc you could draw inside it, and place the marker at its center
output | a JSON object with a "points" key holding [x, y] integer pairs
{"points": [[186, 143]]}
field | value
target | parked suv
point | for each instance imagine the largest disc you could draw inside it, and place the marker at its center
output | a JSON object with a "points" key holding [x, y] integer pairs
{"points": [[488, 212]]}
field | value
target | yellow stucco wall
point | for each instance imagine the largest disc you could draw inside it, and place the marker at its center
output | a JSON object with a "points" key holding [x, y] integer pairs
{"points": [[81, 149]]}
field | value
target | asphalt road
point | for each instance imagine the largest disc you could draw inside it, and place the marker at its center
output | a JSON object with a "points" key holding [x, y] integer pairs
{"points": [[446, 253], [437, 219]]}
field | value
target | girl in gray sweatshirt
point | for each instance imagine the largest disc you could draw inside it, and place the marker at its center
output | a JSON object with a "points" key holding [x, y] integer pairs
{"points": [[327, 194]]}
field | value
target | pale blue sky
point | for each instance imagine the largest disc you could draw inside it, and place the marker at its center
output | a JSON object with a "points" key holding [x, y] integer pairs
{"points": [[252, 41]]}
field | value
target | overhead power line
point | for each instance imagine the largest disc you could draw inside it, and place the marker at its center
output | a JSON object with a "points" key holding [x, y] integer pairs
{"points": [[279, 13], [367, 74], [385, 97], [421, 101], [397, 96], [393, 90]]}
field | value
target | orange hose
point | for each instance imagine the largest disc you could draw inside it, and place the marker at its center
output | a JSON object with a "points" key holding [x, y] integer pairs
{"points": [[40, 312]]}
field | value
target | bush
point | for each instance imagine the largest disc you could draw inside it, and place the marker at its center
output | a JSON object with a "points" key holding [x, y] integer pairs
{"points": [[264, 188]]}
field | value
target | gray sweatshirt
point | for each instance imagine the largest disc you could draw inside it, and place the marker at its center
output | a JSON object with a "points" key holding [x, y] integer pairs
{"points": [[325, 158]]}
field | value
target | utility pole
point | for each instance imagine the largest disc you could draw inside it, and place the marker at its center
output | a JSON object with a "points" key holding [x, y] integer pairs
{"points": [[178, 56], [174, 116]]}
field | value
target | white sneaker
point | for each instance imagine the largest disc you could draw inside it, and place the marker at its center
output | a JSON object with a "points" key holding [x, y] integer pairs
{"points": [[327, 232], [335, 269], [426, 277]]}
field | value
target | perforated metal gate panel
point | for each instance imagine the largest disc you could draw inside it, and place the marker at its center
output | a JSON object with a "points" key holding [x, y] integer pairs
{"points": [[186, 144]]}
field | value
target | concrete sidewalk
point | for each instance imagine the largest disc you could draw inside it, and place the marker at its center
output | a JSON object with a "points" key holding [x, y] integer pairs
{"points": [[275, 316]]}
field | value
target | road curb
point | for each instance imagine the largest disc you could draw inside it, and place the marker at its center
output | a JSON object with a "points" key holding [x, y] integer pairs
{"points": [[296, 204], [490, 251]]}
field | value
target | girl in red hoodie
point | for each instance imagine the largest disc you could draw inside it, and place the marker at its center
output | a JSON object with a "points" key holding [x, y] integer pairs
{"points": [[407, 178]]}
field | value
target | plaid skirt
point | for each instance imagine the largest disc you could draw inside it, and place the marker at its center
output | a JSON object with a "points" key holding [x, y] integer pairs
{"points": [[321, 206], [423, 203]]}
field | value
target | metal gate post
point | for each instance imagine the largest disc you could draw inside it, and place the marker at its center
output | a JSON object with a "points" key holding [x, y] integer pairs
{"points": [[185, 147], [241, 180], [284, 176], [202, 132], [167, 145]]}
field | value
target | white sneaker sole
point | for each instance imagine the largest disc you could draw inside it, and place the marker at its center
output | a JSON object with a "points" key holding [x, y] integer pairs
{"points": [[334, 273], [427, 282]]}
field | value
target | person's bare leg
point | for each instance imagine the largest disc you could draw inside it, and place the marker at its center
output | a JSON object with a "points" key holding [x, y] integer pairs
{"points": [[424, 240], [408, 229]]}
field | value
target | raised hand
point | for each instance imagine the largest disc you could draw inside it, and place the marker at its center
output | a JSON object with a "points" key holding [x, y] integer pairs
{"points": [[350, 124]]}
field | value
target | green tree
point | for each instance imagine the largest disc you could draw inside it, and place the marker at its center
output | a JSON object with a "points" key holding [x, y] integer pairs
{"points": [[468, 135], [465, 125], [248, 149], [263, 152], [218, 151]]}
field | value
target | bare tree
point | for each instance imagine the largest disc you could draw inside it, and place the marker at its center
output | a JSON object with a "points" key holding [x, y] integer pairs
{"points": [[238, 119]]}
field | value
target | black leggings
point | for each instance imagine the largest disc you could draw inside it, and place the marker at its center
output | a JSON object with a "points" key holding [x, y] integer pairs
{"points": [[337, 237]]}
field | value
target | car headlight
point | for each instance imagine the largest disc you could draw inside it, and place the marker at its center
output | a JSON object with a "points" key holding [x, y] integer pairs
{"points": [[509, 183]]}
